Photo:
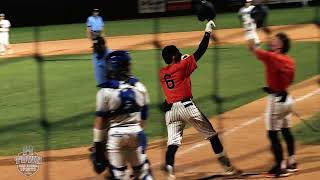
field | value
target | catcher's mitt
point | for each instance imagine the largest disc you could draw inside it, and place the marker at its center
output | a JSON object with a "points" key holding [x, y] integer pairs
{"points": [[98, 158]]}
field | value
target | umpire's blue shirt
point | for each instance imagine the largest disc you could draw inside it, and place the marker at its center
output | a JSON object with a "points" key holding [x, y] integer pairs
{"points": [[95, 23], [100, 67]]}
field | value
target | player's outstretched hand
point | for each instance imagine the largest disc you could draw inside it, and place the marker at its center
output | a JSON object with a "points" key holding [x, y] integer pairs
{"points": [[210, 25]]}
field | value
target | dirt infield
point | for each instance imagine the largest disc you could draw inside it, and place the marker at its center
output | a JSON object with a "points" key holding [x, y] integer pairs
{"points": [[243, 135], [146, 41], [243, 132]]}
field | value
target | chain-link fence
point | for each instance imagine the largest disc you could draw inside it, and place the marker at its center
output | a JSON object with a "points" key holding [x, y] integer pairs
{"points": [[37, 89]]}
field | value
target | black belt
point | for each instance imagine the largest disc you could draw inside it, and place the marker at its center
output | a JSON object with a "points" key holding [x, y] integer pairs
{"points": [[186, 100], [187, 104], [282, 94], [123, 125], [167, 106]]}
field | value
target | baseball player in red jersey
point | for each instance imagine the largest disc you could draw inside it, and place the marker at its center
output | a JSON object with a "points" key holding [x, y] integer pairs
{"points": [[279, 71], [179, 107]]}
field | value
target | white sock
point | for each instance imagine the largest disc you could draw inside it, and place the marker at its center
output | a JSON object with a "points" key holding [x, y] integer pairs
{"points": [[291, 160], [221, 154], [283, 164]]}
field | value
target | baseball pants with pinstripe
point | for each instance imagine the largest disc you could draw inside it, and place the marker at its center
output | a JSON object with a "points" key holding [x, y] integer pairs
{"points": [[183, 112], [278, 114]]}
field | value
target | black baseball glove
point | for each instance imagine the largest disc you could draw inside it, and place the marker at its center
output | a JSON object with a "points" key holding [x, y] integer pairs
{"points": [[98, 158], [259, 13], [205, 10], [165, 106]]}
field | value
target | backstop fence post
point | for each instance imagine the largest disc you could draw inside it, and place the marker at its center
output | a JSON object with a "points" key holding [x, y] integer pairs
{"points": [[43, 100], [317, 22], [216, 84]]}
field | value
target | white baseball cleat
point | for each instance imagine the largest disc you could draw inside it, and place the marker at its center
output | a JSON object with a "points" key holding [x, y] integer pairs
{"points": [[169, 171], [232, 171], [292, 168]]}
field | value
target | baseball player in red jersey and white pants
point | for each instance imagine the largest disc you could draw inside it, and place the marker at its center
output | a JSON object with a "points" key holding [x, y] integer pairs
{"points": [[179, 107], [279, 70]]}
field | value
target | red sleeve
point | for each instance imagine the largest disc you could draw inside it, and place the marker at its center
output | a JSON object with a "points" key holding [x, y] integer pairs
{"points": [[262, 55], [189, 65]]}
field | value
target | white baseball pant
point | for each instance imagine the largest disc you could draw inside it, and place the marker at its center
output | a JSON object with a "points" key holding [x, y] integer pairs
{"points": [[251, 32], [4, 41], [123, 147], [182, 113], [278, 114]]}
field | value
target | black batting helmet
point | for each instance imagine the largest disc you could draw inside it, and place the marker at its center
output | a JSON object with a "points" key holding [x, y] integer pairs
{"points": [[205, 10], [168, 52]]}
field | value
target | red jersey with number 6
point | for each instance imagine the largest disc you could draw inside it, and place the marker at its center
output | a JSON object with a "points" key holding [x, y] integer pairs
{"points": [[279, 69], [175, 79]]}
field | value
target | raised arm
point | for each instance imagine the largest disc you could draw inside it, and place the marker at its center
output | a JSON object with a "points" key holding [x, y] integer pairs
{"points": [[205, 41], [252, 45], [261, 54]]}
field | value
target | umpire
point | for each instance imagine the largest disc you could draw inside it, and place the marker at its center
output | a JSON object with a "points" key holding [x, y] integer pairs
{"points": [[95, 25]]}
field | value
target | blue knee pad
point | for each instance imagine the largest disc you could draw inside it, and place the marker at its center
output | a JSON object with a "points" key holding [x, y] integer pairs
{"points": [[143, 141]]}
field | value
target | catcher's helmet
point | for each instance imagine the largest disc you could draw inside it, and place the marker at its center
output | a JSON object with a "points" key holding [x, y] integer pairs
{"points": [[118, 65], [205, 10]]}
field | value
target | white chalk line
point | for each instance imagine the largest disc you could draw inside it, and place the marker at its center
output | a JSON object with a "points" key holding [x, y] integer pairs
{"points": [[242, 125], [225, 133], [308, 95], [236, 128]]}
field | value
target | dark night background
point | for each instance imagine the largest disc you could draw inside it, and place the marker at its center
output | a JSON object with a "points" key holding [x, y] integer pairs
{"points": [[46, 12]]}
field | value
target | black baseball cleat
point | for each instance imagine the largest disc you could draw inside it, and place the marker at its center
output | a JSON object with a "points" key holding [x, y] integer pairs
{"points": [[292, 167], [277, 172]]}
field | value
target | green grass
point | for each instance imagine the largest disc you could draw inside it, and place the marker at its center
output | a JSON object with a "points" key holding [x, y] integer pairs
{"points": [[305, 135], [169, 24], [70, 88]]}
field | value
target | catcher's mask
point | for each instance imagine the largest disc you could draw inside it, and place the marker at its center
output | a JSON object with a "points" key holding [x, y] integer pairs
{"points": [[118, 65], [168, 52]]}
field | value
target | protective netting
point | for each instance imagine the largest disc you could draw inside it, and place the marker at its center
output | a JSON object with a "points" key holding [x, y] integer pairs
{"points": [[215, 100]]}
